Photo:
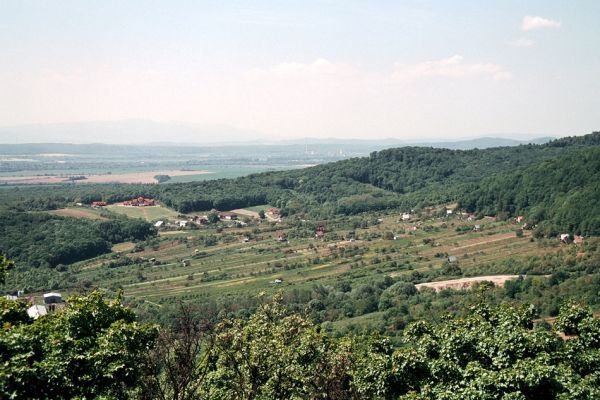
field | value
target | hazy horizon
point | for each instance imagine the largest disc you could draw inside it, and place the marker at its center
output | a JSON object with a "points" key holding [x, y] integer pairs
{"points": [[137, 131], [424, 71]]}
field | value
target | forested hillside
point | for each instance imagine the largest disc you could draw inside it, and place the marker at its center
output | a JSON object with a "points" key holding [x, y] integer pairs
{"points": [[40, 239], [408, 177], [559, 194]]}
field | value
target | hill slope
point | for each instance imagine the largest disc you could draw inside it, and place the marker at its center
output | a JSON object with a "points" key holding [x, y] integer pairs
{"points": [[562, 192]]}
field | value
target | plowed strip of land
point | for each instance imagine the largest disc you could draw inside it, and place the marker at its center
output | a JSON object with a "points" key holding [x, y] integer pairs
{"points": [[76, 213]]}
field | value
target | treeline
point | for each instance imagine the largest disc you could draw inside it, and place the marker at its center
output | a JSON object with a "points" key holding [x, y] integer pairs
{"points": [[40, 239], [558, 195], [94, 348]]}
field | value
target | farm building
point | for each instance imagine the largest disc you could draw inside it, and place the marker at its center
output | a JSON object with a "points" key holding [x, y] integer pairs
{"points": [[578, 239], [158, 224], [452, 259], [227, 216], [405, 217], [139, 202], [51, 298], [273, 210], [96, 204]]}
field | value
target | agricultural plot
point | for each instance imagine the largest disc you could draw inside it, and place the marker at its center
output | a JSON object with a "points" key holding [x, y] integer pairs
{"points": [[78, 212], [149, 213], [217, 262]]}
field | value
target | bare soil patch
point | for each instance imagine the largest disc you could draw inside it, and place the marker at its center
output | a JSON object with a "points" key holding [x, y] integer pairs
{"points": [[466, 283]]}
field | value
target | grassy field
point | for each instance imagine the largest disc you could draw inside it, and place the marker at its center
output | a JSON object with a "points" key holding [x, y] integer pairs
{"points": [[150, 213]]}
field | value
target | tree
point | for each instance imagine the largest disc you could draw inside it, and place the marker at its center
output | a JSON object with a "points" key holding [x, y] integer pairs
{"points": [[5, 266], [261, 214], [213, 217], [93, 348], [177, 366], [494, 354]]}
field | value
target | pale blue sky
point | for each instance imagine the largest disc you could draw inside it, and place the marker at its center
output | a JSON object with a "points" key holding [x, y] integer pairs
{"points": [[406, 69]]}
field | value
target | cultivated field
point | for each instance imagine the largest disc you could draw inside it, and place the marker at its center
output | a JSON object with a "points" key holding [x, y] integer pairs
{"points": [[149, 213], [78, 213], [132, 177]]}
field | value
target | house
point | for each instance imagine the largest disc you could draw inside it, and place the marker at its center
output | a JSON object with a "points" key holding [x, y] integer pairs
{"points": [[320, 232], [36, 311], [158, 224], [53, 297], [246, 239], [564, 237], [273, 210], [471, 217], [405, 217], [97, 204], [278, 280], [182, 224], [452, 259], [139, 202], [578, 239], [520, 219], [449, 211], [282, 238], [79, 204], [477, 228], [228, 216]]}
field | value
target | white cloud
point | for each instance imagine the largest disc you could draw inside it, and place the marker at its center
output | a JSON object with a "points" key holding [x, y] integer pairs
{"points": [[522, 42], [531, 23], [452, 67], [294, 70]]}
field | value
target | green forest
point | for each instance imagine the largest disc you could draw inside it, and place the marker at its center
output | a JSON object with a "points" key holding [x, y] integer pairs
{"points": [[45, 240], [561, 195]]}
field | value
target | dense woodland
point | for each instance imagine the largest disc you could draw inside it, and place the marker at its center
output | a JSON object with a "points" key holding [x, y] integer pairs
{"points": [[561, 195], [45, 240]]}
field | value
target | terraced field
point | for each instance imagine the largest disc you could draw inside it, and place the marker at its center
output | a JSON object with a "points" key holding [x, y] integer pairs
{"points": [[217, 260]]}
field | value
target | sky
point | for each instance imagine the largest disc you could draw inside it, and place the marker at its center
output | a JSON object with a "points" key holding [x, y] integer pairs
{"points": [[290, 69]]}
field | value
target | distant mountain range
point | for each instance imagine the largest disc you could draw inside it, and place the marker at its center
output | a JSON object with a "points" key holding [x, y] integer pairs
{"points": [[170, 134]]}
